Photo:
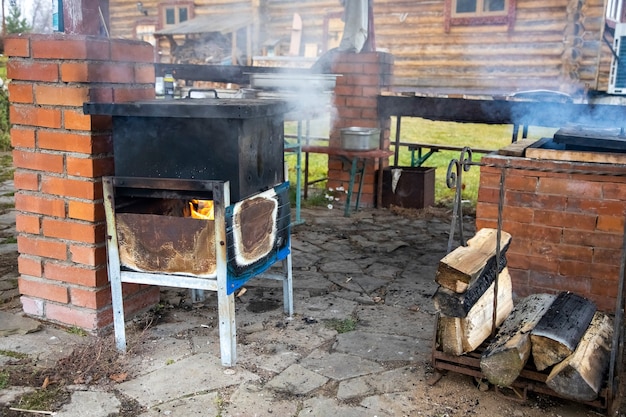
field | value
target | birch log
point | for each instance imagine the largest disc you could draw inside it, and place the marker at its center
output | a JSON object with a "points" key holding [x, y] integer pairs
{"points": [[453, 304], [581, 375], [560, 329], [506, 356], [460, 335], [458, 269]]}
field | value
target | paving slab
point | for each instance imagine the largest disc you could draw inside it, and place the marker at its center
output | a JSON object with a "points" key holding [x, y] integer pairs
{"points": [[340, 266], [339, 366], [252, 400], [327, 307], [381, 346], [193, 375], [382, 318], [297, 380], [393, 405], [46, 346], [200, 405], [10, 394], [17, 324], [399, 379], [327, 407], [90, 404]]}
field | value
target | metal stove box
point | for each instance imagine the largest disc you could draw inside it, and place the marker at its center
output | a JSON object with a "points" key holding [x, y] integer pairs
{"points": [[236, 140]]}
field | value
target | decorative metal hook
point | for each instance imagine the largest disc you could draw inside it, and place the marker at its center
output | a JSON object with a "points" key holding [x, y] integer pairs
{"points": [[454, 179]]}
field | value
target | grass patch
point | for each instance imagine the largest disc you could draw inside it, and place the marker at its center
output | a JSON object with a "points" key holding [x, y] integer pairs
{"points": [[77, 331], [50, 398], [417, 130], [13, 354], [341, 326], [4, 379], [8, 240]]}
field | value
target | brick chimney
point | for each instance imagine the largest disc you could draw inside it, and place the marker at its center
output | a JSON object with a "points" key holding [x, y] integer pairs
{"points": [[60, 156], [364, 76]]}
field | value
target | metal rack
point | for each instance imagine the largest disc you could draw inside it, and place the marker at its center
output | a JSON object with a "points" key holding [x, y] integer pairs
{"points": [[530, 379], [225, 277]]}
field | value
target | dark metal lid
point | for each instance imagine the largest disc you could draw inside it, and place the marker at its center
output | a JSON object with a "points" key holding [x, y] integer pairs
{"points": [[209, 108]]}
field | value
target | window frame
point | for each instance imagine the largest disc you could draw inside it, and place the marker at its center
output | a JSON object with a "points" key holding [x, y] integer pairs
{"points": [[615, 12], [189, 5], [505, 17]]}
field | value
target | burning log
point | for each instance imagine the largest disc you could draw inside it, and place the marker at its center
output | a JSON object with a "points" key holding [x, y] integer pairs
{"points": [[560, 329], [580, 375], [464, 265], [506, 356], [459, 335]]}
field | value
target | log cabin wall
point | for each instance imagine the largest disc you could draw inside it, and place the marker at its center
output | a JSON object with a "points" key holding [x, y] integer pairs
{"points": [[551, 44]]}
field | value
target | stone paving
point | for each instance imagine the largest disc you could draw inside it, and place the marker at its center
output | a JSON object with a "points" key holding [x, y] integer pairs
{"points": [[372, 273]]}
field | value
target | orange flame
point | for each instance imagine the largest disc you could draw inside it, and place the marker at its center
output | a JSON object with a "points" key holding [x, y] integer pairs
{"points": [[202, 209]]}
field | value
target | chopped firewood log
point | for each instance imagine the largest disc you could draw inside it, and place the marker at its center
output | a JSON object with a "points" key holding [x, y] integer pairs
{"points": [[453, 304], [459, 335], [450, 335], [580, 376], [558, 332], [506, 356], [458, 269]]}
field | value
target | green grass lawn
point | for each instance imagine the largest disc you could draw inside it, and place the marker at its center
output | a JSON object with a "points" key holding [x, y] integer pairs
{"points": [[416, 130]]}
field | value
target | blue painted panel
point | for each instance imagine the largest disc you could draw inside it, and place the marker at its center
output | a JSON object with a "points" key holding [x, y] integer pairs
{"points": [[238, 275]]}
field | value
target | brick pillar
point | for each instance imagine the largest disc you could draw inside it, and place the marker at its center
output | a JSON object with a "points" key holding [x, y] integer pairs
{"points": [[60, 156], [364, 77], [567, 224]]}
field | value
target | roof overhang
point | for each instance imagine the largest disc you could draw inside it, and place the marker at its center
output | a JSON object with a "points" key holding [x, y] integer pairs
{"points": [[207, 24]]}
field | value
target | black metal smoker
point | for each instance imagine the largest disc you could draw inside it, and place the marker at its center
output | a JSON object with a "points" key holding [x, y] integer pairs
{"points": [[170, 154]]}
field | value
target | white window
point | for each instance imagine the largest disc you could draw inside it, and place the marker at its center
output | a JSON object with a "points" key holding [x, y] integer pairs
{"points": [[479, 12], [175, 13], [469, 8], [615, 12]]}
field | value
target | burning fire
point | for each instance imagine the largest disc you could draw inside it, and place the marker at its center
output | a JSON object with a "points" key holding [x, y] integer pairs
{"points": [[202, 209]]}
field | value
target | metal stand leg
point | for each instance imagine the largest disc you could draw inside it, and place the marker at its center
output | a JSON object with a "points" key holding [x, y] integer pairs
{"points": [[288, 286], [353, 169], [299, 173], [115, 277], [228, 329], [358, 194], [118, 311]]}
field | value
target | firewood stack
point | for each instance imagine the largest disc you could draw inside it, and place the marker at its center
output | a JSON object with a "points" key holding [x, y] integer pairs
{"points": [[567, 338], [465, 297]]}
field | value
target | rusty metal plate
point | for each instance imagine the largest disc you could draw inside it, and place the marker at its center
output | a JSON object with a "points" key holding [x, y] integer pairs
{"points": [[254, 227], [166, 244]]}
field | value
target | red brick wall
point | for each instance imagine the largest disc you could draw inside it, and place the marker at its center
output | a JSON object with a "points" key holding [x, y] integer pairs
{"points": [[363, 77], [567, 227], [59, 156]]}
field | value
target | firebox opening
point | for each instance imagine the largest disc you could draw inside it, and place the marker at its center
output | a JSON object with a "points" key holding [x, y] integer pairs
{"points": [[169, 235]]}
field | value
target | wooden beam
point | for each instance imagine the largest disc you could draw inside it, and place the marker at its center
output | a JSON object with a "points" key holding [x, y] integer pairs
{"points": [[537, 113]]}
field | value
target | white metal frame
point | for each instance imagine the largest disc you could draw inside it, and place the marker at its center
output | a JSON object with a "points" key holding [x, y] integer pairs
{"points": [[226, 302], [617, 62]]}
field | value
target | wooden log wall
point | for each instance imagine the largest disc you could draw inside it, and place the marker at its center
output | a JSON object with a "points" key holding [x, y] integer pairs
{"points": [[552, 44]]}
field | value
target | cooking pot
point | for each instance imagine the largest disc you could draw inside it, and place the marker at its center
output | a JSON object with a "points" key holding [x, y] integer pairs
{"points": [[360, 138]]}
